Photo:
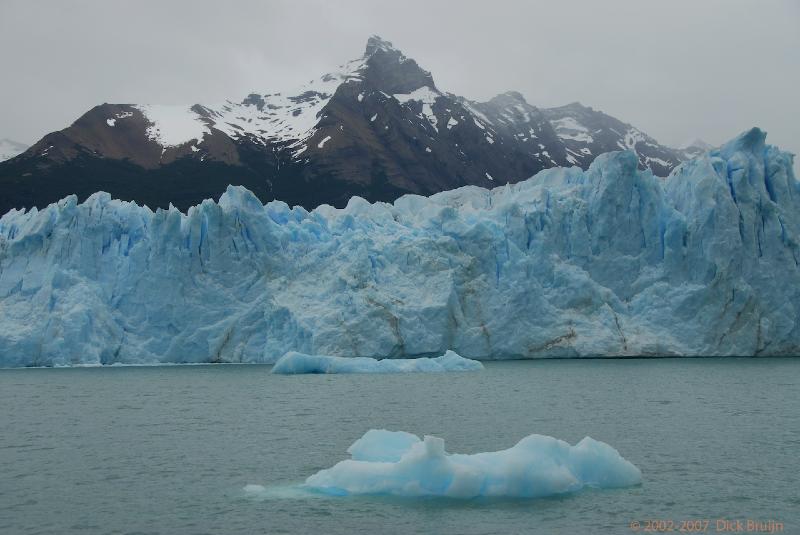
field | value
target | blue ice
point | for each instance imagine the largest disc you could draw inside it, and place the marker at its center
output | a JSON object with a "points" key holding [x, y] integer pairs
{"points": [[399, 463], [609, 261], [293, 363]]}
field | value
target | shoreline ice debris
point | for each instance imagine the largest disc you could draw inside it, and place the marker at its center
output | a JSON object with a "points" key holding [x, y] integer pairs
{"points": [[293, 363], [609, 261], [399, 463]]}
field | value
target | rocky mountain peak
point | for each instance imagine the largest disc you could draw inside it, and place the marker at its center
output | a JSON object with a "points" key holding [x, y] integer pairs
{"points": [[697, 143], [694, 148], [510, 100], [514, 97], [389, 70], [375, 43], [575, 108]]}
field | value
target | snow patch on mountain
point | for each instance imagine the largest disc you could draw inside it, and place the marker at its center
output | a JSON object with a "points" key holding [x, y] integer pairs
{"points": [[171, 126], [473, 109], [275, 117], [569, 128], [426, 96], [631, 138]]}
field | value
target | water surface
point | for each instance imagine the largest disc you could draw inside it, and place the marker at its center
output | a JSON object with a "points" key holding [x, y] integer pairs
{"points": [[169, 449]]}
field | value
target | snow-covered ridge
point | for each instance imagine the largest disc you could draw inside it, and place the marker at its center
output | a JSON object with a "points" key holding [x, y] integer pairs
{"points": [[289, 116], [284, 117], [274, 117], [609, 261]]}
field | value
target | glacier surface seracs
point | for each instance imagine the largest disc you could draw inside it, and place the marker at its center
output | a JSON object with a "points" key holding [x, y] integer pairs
{"points": [[399, 463], [608, 261], [294, 363]]}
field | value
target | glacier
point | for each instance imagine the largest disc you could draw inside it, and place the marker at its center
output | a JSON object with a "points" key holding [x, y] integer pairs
{"points": [[294, 363], [611, 261], [399, 463]]}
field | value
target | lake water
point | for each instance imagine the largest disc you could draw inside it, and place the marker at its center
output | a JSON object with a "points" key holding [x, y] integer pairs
{"points": [[169, 449]]}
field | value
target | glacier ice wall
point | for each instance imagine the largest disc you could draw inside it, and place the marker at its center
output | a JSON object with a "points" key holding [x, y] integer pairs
{"points": [[608, 261]]}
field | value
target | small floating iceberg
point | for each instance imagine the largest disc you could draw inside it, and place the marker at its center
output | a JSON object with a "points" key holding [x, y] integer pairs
{"points": [[400, 464], [297, 363]]}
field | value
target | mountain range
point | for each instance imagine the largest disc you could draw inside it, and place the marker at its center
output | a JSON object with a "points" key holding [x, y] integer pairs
{"points": [[377, 127]]}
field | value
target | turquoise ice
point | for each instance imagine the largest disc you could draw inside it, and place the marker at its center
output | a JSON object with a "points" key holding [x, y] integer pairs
{"points": [[570, 263], [399, 463], [293, 363]]}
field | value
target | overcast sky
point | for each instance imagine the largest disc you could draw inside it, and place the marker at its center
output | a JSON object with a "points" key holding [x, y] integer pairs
{"points": [[676, 69]]}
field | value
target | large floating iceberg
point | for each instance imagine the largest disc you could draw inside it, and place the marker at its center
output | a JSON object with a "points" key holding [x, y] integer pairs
{"points": [[399, 463], [293, 363], [608, 261]]}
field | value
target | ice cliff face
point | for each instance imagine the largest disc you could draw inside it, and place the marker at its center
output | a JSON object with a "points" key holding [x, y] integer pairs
{"points": [[609, 261]]}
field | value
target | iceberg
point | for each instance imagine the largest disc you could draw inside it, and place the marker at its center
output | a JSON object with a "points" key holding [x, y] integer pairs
{"points": [[399, 463], [609, 261], [299, 363]]}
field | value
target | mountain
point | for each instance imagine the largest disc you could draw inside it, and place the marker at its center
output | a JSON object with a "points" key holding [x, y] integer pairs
{"points": [[10, 148], [377, 127], [694, 148], [609, 261], [587, 133]]}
